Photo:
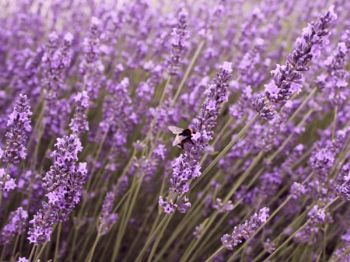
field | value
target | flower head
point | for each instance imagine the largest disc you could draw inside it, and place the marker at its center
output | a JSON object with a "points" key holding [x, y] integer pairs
{"points": [[19, 128], [245, 230], [63, 184]]}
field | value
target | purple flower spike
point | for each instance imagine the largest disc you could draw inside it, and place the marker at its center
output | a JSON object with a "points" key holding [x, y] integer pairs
{"points": [[16, 225], [79, 123], [178, 43], [64, 184], [288, 78], [19, 128], [108, 218], [245, 230], [186, 167]]}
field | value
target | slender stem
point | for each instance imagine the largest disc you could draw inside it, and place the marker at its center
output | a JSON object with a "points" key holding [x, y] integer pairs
{"points": [[3, 251], [217, 252], [156, 243], [38, 255], [209, 237], [91, 253], [241, 179], [164, 222], [296, 112], [57, 249], [334, 122], [15, 246], [228, 147], [164, 90], [287, 140], [220, 134], [188, 71], [291, 236], [286, 242], [32, 252], [144, 225]]}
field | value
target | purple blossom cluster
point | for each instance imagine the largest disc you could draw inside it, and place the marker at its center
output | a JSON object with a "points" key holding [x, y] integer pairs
{"points": [[63, 184], [16, 225], [174, 130], [186, 167], [245, 231], [19, 128], [107, 217]]}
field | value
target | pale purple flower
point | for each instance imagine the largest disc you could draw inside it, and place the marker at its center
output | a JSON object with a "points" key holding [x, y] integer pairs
{"points": [[19, 128], [262, 105], [168, 207], [297, 190], [335, 81], [63, 184], [7, 183], [317, 217], [79, 123], [244, 231], [22, 259], [178, 42], [288, 78], [107, 217], [186, 167], [16, 224], [222, 207]]}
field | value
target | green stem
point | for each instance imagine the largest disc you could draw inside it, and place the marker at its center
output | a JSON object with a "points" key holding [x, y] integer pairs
{"points": [[296, 112], [32, 252], [188, 71], [220, 134], [91, 253], [57, 242], [334, 122], [228, 147], [287, 140], [164, 223], [291, 236], [156, 243], [217, 252]]}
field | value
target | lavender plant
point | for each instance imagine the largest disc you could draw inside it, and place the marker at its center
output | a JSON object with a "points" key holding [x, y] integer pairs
{"points": [[174, 130]]}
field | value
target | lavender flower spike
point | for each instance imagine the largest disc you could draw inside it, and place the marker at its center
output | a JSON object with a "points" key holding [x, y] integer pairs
{"points": [[107, 218], [17, 135], [16, 225], [245, 230], [79, 123], [64, 184], [178, 43], [288, 78], [186, 167]]}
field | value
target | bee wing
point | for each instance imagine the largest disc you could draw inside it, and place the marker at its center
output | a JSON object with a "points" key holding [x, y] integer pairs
{"points": [[177, 140], [175, 130]]}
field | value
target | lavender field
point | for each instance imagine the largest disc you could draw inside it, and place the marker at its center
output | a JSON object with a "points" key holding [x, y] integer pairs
{"points": [[185, 131]]}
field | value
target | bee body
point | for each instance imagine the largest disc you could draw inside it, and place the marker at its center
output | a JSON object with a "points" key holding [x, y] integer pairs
{"points": [[182, 136]]}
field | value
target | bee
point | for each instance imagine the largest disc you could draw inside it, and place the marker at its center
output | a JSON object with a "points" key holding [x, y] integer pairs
{"points": [[182, 135]]}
